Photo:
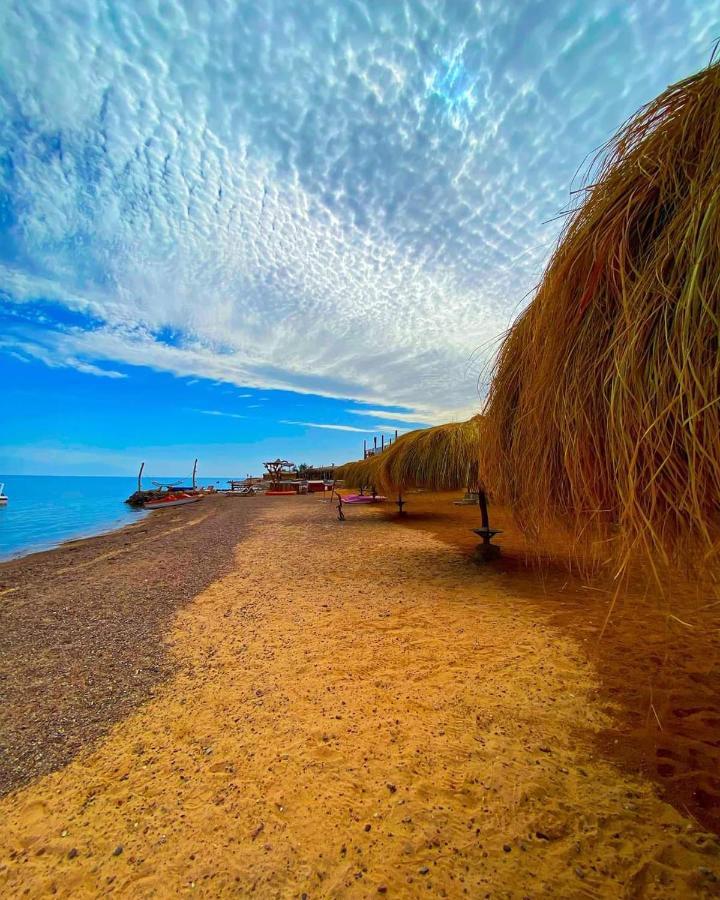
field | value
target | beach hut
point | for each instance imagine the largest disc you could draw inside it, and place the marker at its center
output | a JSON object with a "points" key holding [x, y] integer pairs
{"points": [[604, 408]]}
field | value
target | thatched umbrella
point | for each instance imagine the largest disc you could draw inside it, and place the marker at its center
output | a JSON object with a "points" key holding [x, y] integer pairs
{"points": [[441, 458], [444, 457], [360, 474], [604, 410]]}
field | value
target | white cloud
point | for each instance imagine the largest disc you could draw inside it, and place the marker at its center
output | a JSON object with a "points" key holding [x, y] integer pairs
{"points": [[331, 427], [388, 413], [217, 412], [53, 356], [346, 202]]}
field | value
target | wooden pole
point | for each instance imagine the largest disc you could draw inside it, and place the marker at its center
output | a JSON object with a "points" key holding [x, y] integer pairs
{"points": [[365, 449], [482, 500], [375, 442], [194, 473], [382, 442], [142, 466]]}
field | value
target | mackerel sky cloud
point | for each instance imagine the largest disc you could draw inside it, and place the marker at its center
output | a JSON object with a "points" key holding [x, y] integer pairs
{"points": [[344, 199]]}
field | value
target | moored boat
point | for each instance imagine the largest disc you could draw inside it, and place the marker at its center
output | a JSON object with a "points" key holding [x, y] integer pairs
{"points": [[172, 498], [3, 498]]}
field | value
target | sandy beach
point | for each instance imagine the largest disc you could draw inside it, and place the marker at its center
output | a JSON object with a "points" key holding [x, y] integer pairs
{"points": [[290, 706]]}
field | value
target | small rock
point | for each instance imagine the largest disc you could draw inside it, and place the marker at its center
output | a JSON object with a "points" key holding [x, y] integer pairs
{"points": [[382, 889], [507, 848], [118, 850], [391, 788], [544, 749], [707, 873], [368, 827], [72, 853], [424, 870], [579, 871]]}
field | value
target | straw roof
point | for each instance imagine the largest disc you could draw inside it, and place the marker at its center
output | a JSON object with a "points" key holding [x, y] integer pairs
{"points": [[440, 458], [360, 474], [604, 410]]}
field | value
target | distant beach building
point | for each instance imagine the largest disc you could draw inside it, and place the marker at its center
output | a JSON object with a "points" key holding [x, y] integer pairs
{"points": [[303, 479]]}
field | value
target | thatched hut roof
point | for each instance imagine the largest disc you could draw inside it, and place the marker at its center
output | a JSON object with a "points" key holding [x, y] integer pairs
{"points": [[604, 410], [361, 473], [441, 458]]}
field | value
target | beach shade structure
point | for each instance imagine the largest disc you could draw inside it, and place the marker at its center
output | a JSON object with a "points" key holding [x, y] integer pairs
{"points": [[604, 406], [364, 473], [444, 457]]}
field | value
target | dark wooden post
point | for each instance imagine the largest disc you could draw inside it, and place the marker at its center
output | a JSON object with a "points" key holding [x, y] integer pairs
{"points": [[400, 503], [365, 449], [382, 442], [486, 550], [194, 473], [142, 466], [485, 518]]}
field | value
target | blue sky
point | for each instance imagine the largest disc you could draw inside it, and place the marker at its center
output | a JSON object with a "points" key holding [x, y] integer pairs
{"points": [[238, 230]]}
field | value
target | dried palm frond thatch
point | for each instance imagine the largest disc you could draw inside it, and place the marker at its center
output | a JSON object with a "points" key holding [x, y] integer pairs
{"points": [[360, 474], [441, 458], [604, 409]]}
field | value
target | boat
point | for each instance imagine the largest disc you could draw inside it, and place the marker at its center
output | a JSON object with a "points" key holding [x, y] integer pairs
{"points": [[171, 498], [3, 498]]}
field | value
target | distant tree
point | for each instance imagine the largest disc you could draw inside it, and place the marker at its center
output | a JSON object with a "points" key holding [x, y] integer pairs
{"points": [[303, 467]]}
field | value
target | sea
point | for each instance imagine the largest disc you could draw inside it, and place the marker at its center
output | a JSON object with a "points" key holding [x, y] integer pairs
{"points": [[45, 510]]}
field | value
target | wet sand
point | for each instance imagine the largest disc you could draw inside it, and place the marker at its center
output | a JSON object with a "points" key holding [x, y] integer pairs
{"points": [[356, 709]]}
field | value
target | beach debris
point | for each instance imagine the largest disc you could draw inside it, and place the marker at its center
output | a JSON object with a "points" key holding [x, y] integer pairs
{"points": [[72, 853], [118, 850], [257, 831]]}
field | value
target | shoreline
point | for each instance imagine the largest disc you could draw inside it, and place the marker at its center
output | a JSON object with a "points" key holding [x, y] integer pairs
{"points": [[83, 625], [83, 535]]}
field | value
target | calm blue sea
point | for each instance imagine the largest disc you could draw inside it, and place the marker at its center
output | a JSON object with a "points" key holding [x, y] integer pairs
{"points": [[45, 510]]}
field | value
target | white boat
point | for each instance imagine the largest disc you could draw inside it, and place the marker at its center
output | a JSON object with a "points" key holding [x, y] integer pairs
{"points": [[3, 498]]}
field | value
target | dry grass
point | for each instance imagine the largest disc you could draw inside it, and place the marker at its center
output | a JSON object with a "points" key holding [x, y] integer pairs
{"points": [[604, 410], [445, 457], [360, 474], [441, 458]]}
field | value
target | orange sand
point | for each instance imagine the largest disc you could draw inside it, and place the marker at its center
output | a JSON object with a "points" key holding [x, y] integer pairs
{"points": [[357, 711]]}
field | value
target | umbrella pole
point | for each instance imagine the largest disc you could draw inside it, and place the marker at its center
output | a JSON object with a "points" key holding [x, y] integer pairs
{"points": [[486, 550]]}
